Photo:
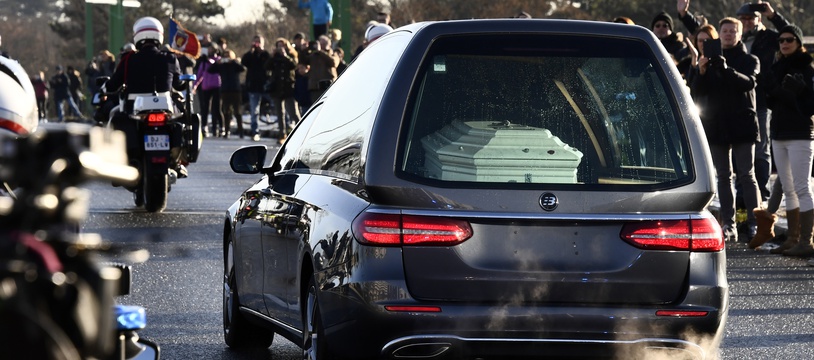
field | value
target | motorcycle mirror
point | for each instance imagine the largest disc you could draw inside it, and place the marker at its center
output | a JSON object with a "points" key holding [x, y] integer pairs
{"points": [[150, 350]]}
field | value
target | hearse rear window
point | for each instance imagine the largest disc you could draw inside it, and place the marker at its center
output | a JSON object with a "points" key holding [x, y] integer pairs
{"points": [[535, 109]]}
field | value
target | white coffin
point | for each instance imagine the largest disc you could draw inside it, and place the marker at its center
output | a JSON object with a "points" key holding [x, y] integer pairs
{"points": [[488, 151]]}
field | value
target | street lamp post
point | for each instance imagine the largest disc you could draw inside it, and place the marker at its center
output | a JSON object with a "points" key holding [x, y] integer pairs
{"points": [[344, 15], [116, 23]]}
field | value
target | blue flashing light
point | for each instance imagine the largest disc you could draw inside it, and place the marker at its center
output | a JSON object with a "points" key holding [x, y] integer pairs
{"points": [[129, 317]]}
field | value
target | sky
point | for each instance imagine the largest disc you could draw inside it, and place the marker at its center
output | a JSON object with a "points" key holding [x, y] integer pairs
{"points": [[239, 11]]}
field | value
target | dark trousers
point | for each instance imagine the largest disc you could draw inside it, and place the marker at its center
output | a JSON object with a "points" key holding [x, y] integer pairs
{"points": [[232, 104], [320, 29], [723, 158], [210, 100], [42, 107], [763, 155]]}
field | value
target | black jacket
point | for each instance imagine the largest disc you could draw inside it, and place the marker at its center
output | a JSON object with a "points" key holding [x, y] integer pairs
{"points": [[255, 63], [229, 71], [792, 104], [726, 98], [674, 44], [764, 47], [60, 84], [281, 68], [146, 71]]}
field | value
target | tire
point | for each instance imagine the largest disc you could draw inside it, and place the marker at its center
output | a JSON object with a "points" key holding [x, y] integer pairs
{"points": [[237, 331], [155, 192], [313, 347], [138, 196]]}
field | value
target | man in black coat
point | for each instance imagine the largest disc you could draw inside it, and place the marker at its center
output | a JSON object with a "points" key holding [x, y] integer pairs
{"points": [[761, 42], [726, 85], [255, 62], [61, 85]]}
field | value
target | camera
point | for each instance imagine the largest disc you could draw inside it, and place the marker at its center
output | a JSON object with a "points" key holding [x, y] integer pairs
{"points": [[758, 7]]}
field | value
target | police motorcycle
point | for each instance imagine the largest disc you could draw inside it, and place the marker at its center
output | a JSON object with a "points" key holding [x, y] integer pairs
{"points": [[57, 292], [163, 136]]}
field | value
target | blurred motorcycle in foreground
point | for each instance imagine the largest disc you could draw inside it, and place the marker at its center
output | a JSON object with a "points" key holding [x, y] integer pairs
{"points": [[57, 292]]}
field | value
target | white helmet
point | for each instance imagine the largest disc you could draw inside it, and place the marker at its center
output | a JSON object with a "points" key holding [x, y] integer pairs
{"points": [[376, 31], [148, 28], [18, 104]]}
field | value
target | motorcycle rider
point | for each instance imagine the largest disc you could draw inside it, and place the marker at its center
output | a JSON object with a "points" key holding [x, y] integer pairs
{"points": [[148, 69]]}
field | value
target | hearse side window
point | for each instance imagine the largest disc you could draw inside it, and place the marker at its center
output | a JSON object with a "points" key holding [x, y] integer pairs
{"points": [[333, 146], [287, 155], [543, 110]]}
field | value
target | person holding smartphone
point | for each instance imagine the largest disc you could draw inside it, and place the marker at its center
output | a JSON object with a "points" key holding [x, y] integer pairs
{"points": [[695, 45], [281, 66], [761, 42], [727, 85]]}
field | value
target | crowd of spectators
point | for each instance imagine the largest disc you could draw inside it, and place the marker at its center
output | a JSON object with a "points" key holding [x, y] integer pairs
{"points": [[753, 87], [752, 84]]}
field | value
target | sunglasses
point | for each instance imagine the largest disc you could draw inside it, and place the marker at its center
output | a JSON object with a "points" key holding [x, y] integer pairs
{"points": [[786, 40], [660, 26]]}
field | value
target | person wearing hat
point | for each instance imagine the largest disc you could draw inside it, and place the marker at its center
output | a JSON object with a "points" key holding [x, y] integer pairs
{"points": [[791, 99], [662, 26], [761, 42], [300, 43]]}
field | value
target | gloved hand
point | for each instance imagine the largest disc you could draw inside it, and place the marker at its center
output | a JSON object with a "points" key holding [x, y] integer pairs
{"points": [[718, 62], [794, 83]]}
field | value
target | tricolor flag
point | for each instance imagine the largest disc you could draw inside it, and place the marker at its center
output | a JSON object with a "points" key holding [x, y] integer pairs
{"points": [[183, 40]]}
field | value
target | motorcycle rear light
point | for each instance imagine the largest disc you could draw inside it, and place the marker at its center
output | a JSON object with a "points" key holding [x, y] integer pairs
{"points": [[156, 119], [396, 229], [682, 313], [687, 235], [394, 308]]}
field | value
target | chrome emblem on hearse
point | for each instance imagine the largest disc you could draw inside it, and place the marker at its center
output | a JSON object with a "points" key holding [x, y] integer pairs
{"points": [[548, 201]]}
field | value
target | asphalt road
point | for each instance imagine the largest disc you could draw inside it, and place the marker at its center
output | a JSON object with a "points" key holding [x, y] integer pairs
{"points": [[772, 297]]}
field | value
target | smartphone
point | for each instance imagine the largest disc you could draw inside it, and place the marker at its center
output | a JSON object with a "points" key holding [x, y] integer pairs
{"points": [[712, 48], [757, 7]]}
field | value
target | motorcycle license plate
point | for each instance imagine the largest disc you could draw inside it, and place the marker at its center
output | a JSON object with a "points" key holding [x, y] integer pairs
{"points": [[156, 142]]}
